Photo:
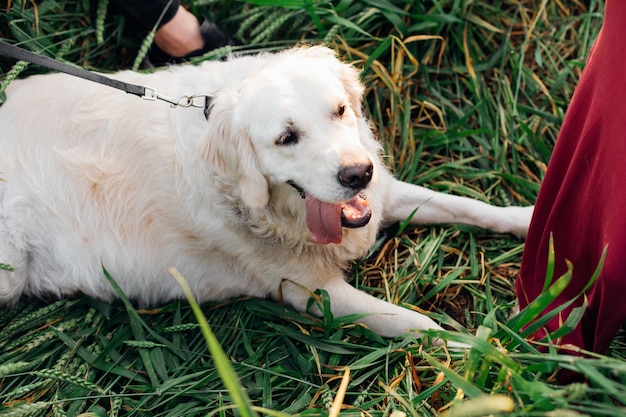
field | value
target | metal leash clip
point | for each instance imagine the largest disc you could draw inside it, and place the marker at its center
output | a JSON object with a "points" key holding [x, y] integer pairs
{"points": [[184, 100]]}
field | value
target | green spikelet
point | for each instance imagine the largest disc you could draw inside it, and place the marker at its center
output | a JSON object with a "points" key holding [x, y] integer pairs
{"points": [[214, 54], [268, 20], [143, 344], [299, 20], [62, 362], [69, 379], [92, 317], [116, 406], [26, 410], [45, 336], [330, 35], [248, 22], [270, 26], [101, 14], [26, 322], [327, 397], [29, 341], [7, 267], [65, 47], [22, 391], [11, 368], [143, 50], [10, 76], [244, 14], [57, 410], [505, 198], [8, 315], [69, 325], [181, 328]]}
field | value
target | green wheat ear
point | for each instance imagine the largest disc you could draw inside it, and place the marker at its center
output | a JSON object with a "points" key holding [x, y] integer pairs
{"points": [[101, 14], [12, 74], [7, 267]]}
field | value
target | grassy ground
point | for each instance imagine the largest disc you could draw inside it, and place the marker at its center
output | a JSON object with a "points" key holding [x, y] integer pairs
{"points": [[467, 97]]}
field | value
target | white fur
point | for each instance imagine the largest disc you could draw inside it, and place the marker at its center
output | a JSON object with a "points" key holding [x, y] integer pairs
{"points": [[94, 177]]}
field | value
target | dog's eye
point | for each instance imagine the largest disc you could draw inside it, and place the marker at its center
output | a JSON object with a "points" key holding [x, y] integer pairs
{"points": [[341, 110], [289, 137]]}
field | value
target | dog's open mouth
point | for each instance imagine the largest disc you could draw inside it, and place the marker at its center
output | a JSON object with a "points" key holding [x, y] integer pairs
{"points": [[325, 220]]}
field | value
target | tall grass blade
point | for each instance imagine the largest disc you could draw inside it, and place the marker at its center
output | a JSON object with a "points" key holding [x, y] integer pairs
{"points": [[228, 375]]}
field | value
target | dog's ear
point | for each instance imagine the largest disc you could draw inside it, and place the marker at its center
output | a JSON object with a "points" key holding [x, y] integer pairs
{"points": [[350, 78], [231, 153]]}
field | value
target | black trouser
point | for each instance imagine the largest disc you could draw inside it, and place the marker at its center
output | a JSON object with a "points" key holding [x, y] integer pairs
{"points": [[148, 13]]}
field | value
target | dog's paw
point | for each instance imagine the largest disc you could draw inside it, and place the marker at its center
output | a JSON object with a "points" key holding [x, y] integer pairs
{"points": [[518, 220]]}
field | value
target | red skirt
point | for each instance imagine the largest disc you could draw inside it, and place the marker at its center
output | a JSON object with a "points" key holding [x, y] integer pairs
{"points": [[582, 201]]}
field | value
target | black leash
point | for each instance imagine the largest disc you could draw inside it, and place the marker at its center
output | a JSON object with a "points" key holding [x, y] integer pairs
{"points": [[147, 93]]}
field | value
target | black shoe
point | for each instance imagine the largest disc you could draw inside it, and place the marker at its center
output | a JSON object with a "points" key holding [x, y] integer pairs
{"points": [[214, 37]]}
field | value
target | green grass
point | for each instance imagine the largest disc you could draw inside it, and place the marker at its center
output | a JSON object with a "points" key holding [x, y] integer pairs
{"points": [[466, 97]]}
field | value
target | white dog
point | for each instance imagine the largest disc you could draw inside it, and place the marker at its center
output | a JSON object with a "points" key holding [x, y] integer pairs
{"points": [[271, 196]]}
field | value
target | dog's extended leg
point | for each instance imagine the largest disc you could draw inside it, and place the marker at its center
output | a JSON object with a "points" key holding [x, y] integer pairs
{"points": [[386, 319], [432, 207]]}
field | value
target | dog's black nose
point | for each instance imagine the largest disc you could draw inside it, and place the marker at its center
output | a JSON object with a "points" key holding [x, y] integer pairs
{"points": [[356, 176]]}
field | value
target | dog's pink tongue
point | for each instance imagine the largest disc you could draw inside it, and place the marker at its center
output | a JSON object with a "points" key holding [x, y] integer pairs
{"points": [[323, 220]]}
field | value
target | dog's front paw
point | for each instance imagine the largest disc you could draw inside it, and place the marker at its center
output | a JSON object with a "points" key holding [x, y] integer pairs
{"points": [[518, 220]]}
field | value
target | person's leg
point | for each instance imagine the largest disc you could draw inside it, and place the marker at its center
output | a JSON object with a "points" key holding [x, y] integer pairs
{"points": [[146, 14], [181, 35]]}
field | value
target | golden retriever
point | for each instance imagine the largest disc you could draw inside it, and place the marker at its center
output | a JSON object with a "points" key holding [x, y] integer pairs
{"points": [[270, 195]]}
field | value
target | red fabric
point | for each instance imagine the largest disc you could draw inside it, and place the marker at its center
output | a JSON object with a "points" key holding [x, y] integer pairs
{"points": [[582, 200]]}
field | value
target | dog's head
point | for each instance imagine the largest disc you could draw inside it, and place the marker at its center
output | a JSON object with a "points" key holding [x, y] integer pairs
{"points": [[297, 124]]}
